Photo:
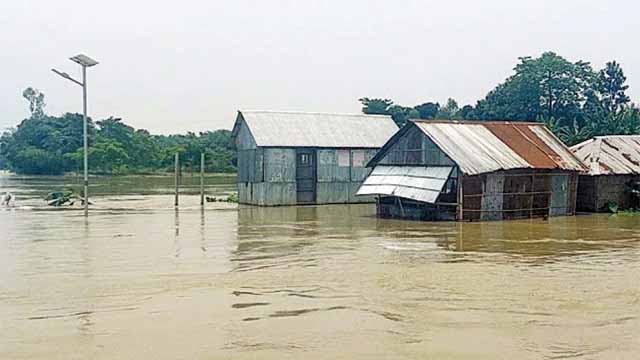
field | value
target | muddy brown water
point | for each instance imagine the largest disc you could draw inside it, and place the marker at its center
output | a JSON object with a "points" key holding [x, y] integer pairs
{"points": [[140, 280]]}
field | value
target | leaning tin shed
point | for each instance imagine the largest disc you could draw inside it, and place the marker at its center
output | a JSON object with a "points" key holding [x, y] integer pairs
{"points": [[289, 158], [450, 170], [614, 172]]}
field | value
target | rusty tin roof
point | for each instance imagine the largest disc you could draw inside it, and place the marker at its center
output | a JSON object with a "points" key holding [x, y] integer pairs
{"points": [[610, 155], [479, 147]]}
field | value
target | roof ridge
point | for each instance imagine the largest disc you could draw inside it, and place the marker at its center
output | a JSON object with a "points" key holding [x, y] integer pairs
{"points": [[467, 122], [313, 113], [614, 136]]}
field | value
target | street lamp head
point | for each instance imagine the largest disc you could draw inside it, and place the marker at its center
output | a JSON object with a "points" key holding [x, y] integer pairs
{"points": [[66, 76], [63, 74], [84, 60]]}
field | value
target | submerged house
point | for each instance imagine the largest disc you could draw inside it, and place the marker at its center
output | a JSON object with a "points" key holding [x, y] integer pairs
{"points": [[289, 158], [451, 170], [614, 171]]}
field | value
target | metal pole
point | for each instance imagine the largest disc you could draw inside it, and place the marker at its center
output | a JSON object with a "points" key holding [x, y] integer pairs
{"points": [[86, 141], [202, 179], [460, 197], [176, 180]]}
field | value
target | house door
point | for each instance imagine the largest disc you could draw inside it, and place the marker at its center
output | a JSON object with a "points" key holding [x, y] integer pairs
{"points": [[306, 176], [559, 195]]}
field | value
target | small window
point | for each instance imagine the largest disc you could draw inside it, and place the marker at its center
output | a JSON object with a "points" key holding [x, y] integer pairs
{"points": [[304, 159]]}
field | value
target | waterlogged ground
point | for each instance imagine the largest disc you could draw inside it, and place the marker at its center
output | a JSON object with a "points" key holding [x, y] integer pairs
{"points": [[139, 280]]}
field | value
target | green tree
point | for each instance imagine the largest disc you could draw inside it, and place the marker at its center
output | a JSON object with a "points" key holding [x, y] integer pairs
{"points": [[574, 134], [375, 106], [428, 110], [220, 149], [570, 97], [142, 151], [54, 136], [450, 111], [548, 86], [5, 138], [402, 114], [107, 155], [607, 109], [53, 145], [32, 160], [467, 112], [36, 102], [612, 87]]}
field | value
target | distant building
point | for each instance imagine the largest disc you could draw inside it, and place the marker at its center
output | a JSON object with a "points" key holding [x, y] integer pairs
{"points": [[289, 158], [450, 170], [614, 171]]}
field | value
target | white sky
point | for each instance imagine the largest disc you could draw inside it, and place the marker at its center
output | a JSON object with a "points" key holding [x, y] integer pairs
{"points": [[177, 66]]}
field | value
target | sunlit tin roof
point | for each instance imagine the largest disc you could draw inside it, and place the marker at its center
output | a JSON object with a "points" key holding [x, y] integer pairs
{"points": [[482, 147], [300, 129], [610, 155], [420, 183], [479, 147]]}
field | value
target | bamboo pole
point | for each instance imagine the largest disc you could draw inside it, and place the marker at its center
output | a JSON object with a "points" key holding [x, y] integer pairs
{"points": [[176, 179], [460, 197], [202, 179], [531, 199], [508, 194], [399, 200], [507, 210]]}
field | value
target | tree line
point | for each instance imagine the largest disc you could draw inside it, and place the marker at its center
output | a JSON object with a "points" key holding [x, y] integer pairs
{"points": [[45, 144], [573, 99]]}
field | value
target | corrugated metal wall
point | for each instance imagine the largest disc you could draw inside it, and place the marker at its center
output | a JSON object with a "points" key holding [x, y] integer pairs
{"points": [[334, 165], [267, 176], [279, 165], [244, 139], [415, 148], [340, 174], [432, 155], [250, 165], [267, 194], [249, 156]]}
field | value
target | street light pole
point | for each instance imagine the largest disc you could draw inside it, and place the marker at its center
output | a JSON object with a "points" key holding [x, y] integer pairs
{"points": [[85, 62], [85, 142]]}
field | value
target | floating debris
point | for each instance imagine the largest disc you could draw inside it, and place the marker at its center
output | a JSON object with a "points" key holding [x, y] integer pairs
{"points": [[66, 197], [233, 198]]}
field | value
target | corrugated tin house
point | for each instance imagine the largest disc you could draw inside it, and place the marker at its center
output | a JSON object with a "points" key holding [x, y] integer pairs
{"points": [[289, 158], [450, 170], [614, 167]]}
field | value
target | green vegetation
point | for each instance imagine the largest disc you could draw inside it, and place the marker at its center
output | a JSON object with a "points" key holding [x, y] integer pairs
{"points": [[612, 207], [44, 144], [232, 198], [60, 198], [575, 101]]}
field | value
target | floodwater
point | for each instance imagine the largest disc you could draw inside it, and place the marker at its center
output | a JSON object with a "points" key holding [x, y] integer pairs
{"points": [[140, 280]]}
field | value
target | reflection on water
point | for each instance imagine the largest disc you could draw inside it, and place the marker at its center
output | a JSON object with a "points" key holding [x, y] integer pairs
{"points": [[140, 279]]}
